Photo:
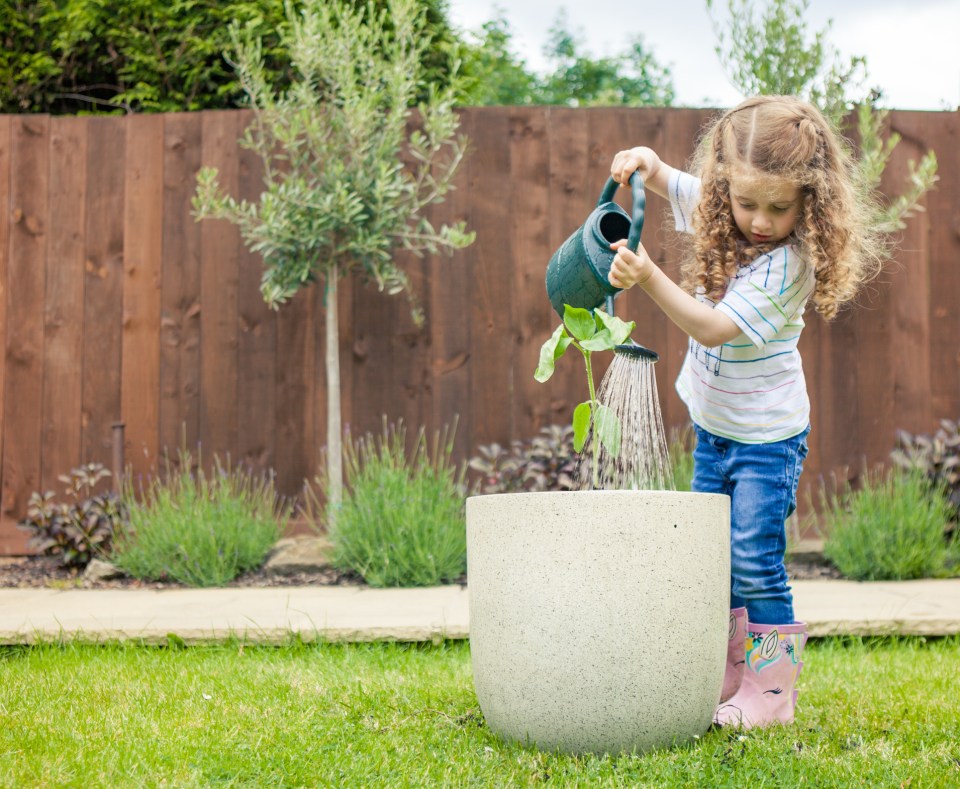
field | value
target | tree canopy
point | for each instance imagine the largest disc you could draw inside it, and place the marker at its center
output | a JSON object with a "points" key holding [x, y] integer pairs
{"points": [[768, 50], [110, 56], [494, 74]]}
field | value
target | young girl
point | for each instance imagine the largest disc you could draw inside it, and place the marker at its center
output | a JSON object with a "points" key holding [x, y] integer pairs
{"points": [[777, 222]]}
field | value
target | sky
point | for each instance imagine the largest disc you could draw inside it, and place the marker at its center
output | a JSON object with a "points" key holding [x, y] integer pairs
{"points": [[911, 47]]}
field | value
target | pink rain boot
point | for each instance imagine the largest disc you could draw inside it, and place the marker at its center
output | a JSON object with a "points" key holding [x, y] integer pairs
{"points": [[767, 694], [736, 653]]}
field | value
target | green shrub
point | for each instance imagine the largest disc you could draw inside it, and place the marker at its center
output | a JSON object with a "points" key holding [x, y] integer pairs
{"points": [[680, 451], [108, 56], [199, 529], [891, 529], [80, 529], [402, 519]]}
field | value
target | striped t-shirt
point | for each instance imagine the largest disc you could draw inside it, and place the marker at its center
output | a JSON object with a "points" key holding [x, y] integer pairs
{"points": [[752, 388]]}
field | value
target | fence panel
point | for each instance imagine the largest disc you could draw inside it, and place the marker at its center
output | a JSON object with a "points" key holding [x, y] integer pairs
{"points": [[119, 306]]}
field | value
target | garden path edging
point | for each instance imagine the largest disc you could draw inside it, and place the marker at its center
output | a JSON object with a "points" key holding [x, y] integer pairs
{"points": [[272, 615]]}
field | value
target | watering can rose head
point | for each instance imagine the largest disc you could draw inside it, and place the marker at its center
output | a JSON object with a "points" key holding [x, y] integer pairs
{"points": [[587, 331]]}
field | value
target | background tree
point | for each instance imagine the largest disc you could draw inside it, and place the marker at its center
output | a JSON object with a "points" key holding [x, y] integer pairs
{"points": [[771, 52], [110, 56], [494, 74], [338, 198], [631, 78]]}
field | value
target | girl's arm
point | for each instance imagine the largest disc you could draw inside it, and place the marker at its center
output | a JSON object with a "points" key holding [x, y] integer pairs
{"points": [[705, 325], [655, 173]]}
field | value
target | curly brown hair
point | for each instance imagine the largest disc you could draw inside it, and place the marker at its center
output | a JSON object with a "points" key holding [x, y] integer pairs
{"points": [[789, 138]]}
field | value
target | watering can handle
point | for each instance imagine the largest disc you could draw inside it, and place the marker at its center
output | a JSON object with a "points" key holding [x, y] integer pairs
{"points": [[639, 204]]}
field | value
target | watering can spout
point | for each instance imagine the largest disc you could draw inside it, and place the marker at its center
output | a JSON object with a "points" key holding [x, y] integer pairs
{"points": [[578, 270]]}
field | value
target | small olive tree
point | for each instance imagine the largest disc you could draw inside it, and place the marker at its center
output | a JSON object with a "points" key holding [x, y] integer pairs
{"points": [[772, 53], [348, 169]]}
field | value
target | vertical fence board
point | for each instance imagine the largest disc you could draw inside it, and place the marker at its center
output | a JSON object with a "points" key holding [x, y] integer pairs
{"points": [[447, 306], [180, 285], [142, 268], [103, 287], [491, 278], [808, 347], [23, 357], [11, 539], [875, 417], [381, 354], [295, 373], [413, 351], [840, 401], [532, 320], [257, 343], [941, 133], [220, 246], [910, 361], [63, 311]]}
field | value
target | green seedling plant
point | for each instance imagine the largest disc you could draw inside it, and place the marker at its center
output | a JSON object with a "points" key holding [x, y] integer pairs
{"points": [[587, 331]]}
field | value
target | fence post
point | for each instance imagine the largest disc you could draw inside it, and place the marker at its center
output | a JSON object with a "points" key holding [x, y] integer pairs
{"points": [[117, 457]]}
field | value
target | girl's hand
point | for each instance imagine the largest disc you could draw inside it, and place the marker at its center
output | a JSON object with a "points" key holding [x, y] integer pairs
{"points": [[642, 160], [629, 268]]}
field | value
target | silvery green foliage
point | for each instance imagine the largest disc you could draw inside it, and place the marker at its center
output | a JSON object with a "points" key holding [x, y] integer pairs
{"points": [[349, 162]]}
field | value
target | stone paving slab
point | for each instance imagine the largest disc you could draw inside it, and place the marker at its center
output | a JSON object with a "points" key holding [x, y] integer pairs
{"points": [[922, 608], [271, 615], [255, 615]]}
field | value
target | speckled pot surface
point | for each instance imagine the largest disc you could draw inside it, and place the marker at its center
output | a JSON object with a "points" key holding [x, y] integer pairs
{"points": [[598, 620]]}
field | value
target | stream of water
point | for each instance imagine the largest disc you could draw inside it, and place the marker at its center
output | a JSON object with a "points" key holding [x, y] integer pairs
{"points": [[630, 389]]}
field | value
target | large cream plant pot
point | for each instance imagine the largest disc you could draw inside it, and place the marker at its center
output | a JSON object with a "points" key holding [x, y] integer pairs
{"points": [[598, 620]]}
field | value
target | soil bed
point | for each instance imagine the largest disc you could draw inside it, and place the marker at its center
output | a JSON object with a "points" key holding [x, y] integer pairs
{"points": [[38, 572]]}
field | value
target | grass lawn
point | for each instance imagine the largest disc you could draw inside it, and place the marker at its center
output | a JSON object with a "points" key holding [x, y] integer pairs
{"points": [[881, 713]]}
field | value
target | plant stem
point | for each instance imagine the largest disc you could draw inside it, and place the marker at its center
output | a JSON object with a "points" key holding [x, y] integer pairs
{"points": [[593, 417], [334, 426]]}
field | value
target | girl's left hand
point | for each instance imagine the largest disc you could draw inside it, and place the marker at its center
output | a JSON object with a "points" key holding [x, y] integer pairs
{"points": [[629, 268]]}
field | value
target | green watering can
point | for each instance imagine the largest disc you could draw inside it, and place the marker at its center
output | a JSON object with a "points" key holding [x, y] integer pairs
{"points": [[577, 272]]}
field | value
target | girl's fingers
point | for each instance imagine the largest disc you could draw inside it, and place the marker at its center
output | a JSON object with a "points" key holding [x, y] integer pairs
{"points": [[623, 166]]}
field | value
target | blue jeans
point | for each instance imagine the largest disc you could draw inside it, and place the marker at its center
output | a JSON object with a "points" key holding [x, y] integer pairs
{"points": [[761, 480]]}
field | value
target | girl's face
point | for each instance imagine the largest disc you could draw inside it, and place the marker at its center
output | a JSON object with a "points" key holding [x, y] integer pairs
{"points": [[765, 207]]}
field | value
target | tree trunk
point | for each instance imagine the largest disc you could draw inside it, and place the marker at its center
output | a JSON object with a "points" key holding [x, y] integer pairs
{"points": [[334, 426]]}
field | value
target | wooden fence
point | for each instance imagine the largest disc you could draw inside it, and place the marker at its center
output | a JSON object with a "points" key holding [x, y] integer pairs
{"points": [[118, 307]]}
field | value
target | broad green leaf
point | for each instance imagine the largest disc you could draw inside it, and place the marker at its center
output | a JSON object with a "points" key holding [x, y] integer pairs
{"points": [[550, 351], [581, 424], [608, 429], [601, 341], [619, 330], [579, 322]]}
